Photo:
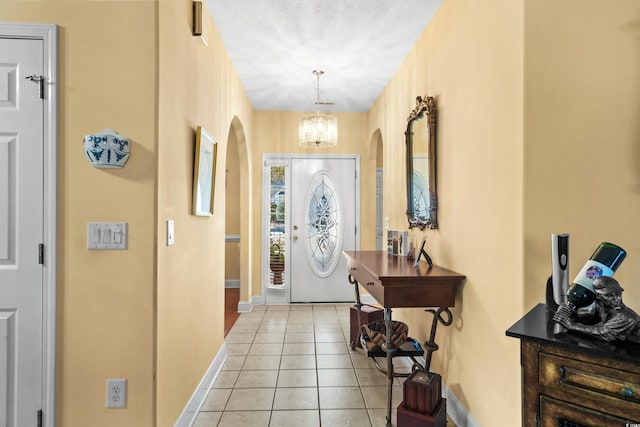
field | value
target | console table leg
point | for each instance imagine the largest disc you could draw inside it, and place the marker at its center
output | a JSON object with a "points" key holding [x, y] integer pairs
{"points": [[390, 351], [358, 304], [431, 345]]}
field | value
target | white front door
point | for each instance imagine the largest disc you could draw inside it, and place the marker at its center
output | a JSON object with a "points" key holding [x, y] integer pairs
{"points": [[21, 232], [323, 224]]}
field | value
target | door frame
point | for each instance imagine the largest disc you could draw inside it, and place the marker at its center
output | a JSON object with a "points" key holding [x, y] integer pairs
{"points": [[48, 33], [283, 296]]}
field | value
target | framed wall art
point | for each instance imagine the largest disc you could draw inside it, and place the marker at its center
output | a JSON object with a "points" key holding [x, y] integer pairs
{"points": [[204, 173]]}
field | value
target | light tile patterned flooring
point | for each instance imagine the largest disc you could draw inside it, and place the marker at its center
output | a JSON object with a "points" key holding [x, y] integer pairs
{"points": [[291, 365]]}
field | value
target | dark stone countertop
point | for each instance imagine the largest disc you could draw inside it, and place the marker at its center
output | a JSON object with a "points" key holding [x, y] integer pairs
{"points": [[537, 326]]}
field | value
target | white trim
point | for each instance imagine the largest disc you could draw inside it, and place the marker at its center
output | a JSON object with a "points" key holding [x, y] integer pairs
{"points": [[247, 306], [456, 411], [48, 33], [257, 300], [190, 412], [266, 291], [232, 283]]}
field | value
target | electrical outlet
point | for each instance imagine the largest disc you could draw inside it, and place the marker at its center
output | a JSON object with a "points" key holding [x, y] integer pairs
{"points": [[116, 393]]}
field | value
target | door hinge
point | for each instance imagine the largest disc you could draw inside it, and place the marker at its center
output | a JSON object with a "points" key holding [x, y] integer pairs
{"points": [[37, 79], [41, 253], [40, 418]]}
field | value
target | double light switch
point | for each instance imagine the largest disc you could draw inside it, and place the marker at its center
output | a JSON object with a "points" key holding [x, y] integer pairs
{"points": [[107, 235]]}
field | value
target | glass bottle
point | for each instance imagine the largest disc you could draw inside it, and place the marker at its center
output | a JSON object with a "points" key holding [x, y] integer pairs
{"points": [[604, 262]]}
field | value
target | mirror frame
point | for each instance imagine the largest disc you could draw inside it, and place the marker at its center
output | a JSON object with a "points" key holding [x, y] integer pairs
{"points": [[425, 108]]}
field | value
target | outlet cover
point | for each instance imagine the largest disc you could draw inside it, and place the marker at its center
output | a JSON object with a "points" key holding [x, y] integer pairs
{"points": [[116, 393]]}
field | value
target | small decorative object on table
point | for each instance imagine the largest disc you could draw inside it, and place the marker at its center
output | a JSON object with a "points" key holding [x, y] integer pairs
{"points": [[398, 242], [615, 321], [594, 306], [423, 253], [377, 332]]}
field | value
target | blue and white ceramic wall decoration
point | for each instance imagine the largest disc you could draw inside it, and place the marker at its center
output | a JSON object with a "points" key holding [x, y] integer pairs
{"points": [[106, 149]]}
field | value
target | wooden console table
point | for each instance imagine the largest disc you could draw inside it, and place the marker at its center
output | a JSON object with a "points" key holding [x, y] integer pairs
{"points": [[394, 282], [570, 379]]}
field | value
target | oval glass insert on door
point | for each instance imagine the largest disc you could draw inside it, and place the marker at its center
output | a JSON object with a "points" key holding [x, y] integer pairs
{"points": [[324, 227]]}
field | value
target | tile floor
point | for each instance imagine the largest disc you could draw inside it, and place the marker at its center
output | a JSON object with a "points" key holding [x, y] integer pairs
{"points": [[291, 365]]}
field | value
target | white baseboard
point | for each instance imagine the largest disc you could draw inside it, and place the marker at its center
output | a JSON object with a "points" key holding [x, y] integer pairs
{"points": [[190, 411], [235, 284], [456, 411], [244, 307]]}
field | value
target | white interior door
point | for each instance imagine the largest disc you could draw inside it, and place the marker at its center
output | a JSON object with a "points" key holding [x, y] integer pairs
{"points": [[323, 224], [21, 232]]}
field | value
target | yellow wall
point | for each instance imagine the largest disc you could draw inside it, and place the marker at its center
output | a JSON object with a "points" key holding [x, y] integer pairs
{"points": [[105, 299], [470, 59], [197, 86], [537, 133], [582, 135], [143, 313]]}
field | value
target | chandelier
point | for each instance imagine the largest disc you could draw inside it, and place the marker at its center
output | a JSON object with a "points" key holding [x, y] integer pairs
{"points": [[318, 130]]}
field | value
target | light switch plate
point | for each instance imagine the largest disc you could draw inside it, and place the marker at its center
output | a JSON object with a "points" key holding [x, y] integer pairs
{"points": [[170, 232], [107, 235]]}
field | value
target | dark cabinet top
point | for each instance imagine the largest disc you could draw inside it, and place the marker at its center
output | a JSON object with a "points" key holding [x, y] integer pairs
{"points": [[537, 325]]}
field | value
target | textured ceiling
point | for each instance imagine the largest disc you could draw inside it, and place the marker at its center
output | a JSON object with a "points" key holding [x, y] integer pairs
{"points": [[276, 44]]}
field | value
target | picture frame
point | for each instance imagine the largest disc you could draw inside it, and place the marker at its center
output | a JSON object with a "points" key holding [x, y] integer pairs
{"points": [[204, 173]]}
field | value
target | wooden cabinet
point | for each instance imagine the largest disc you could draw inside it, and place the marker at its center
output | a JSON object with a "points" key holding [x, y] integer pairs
{"points": [[573, 380]]}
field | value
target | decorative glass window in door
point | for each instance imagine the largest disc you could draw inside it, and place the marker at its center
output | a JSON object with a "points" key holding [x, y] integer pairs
{"points": [[276, 226], [323, 225], [420, 196]]}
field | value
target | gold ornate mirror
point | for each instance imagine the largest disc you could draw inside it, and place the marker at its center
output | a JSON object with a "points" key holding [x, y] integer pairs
{"points": [[422, 200]]}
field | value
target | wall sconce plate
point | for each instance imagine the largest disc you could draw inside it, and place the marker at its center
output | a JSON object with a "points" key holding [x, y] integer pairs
{"points": [[106, 149]]}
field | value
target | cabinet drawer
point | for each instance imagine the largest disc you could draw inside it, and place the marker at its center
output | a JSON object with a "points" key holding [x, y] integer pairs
{"points": [[555, 413], [593, 385], [367, 281]]}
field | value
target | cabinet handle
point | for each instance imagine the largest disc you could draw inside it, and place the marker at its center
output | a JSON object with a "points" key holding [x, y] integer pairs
{"points": [[370, 283], [626, 392]]}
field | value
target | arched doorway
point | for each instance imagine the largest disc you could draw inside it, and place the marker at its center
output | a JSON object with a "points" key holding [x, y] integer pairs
{"points": [[237, 237]]}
